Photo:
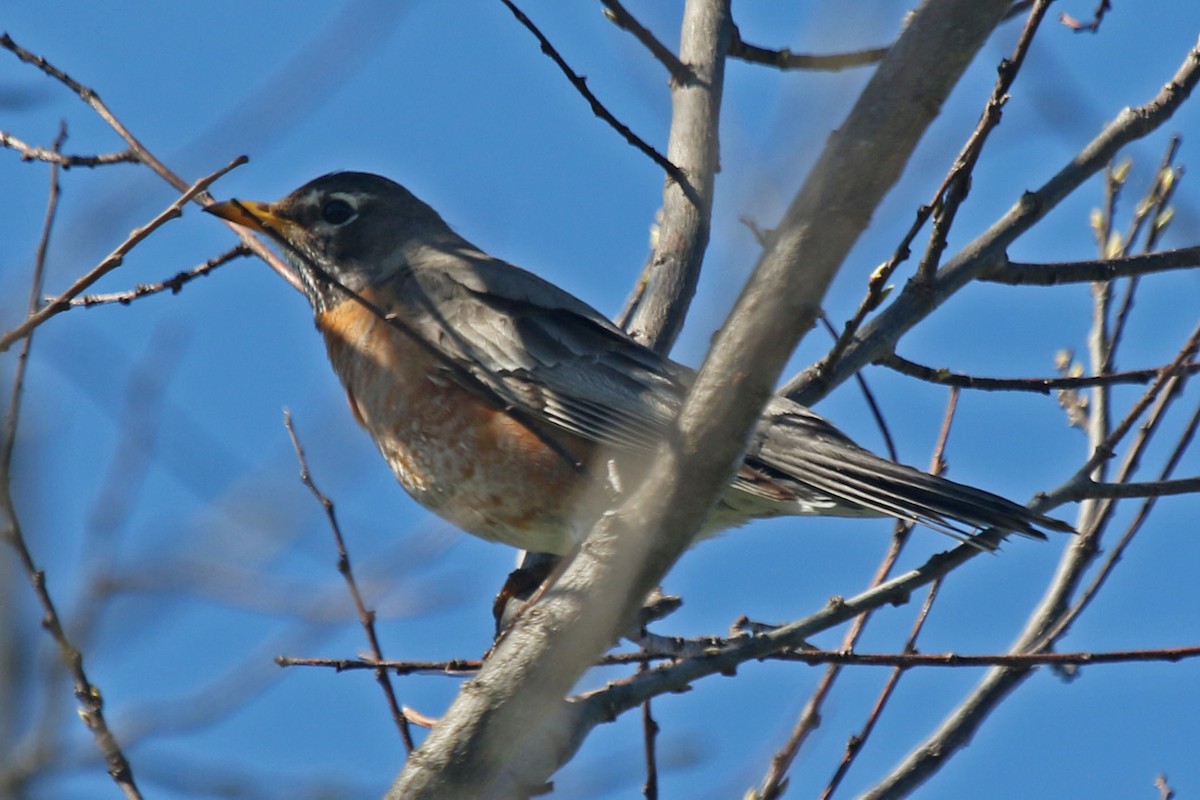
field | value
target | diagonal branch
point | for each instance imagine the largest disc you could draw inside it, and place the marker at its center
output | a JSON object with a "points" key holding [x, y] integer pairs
{"points": [[509, 727], [114, 259], [598, 108], [680, 72], [951, 192], [878, 338], [143, 154], [174, 284]]}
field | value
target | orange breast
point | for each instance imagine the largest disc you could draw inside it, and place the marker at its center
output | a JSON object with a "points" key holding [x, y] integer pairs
{"points": [[457, 455]]}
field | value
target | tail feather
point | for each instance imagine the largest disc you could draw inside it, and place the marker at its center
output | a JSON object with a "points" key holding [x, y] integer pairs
{"points": [[812, 459]]}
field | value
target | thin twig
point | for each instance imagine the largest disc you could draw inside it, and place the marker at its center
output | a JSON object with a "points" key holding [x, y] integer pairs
{"points": [[1155, 200], [1089, 27], [945, 377], [910, 306], [776, 778], [63, 301], [1016, 660], [937, 466], [91, 710], [786, 59], [1013, 273], [868, 395], [144, 156], [958, 182], [650, 731], [617, 14], [856, 741], [30, 152], [461, 668], [946, 199], [173, 284], [366, 616], [598, 108], [1165, 381], [1118, 550]]}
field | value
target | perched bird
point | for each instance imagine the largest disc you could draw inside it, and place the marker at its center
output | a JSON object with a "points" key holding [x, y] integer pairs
{"points": [[492, 393]]}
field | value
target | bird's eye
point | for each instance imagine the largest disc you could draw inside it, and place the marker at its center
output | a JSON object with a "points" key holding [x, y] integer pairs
{"points": [[337, 212]]}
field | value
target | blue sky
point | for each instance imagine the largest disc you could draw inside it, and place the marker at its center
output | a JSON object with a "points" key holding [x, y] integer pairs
{"points": [[166, 415]]}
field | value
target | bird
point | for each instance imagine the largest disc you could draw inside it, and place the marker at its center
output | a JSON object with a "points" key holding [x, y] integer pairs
{"points": [[495, 397]]}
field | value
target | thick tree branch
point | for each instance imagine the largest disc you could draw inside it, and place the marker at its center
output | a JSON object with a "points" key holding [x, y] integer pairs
{"points": [[655, 311], [489, 742]]}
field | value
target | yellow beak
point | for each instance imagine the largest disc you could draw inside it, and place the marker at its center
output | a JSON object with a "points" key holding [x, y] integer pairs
{"points": [[255, 215]]}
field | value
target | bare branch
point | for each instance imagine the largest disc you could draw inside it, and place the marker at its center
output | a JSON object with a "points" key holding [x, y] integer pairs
{"points": [[616, 13], [855, 743], [774, 783], [173, 284], [786, 59], [598, 108], [144, 156], [1114, 490], [1014, 273], [365, 616], [32, 153], [656, 308], [945, 377], [805, 655], [649, 739], [958, 182], [878, 337], [1016, 660], [1044, 625], [91, 710], [517, 700], [114, 259], [1116, 552], [946, 199]]}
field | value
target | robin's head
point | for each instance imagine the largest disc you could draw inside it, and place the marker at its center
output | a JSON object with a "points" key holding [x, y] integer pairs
{"points": [[347, 228]]}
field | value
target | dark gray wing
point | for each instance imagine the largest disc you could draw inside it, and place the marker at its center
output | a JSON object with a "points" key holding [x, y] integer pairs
{"points": [[541, 350]]}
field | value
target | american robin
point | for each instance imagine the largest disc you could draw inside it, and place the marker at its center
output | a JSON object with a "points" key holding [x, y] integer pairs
{"points": [[490, 392]]}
